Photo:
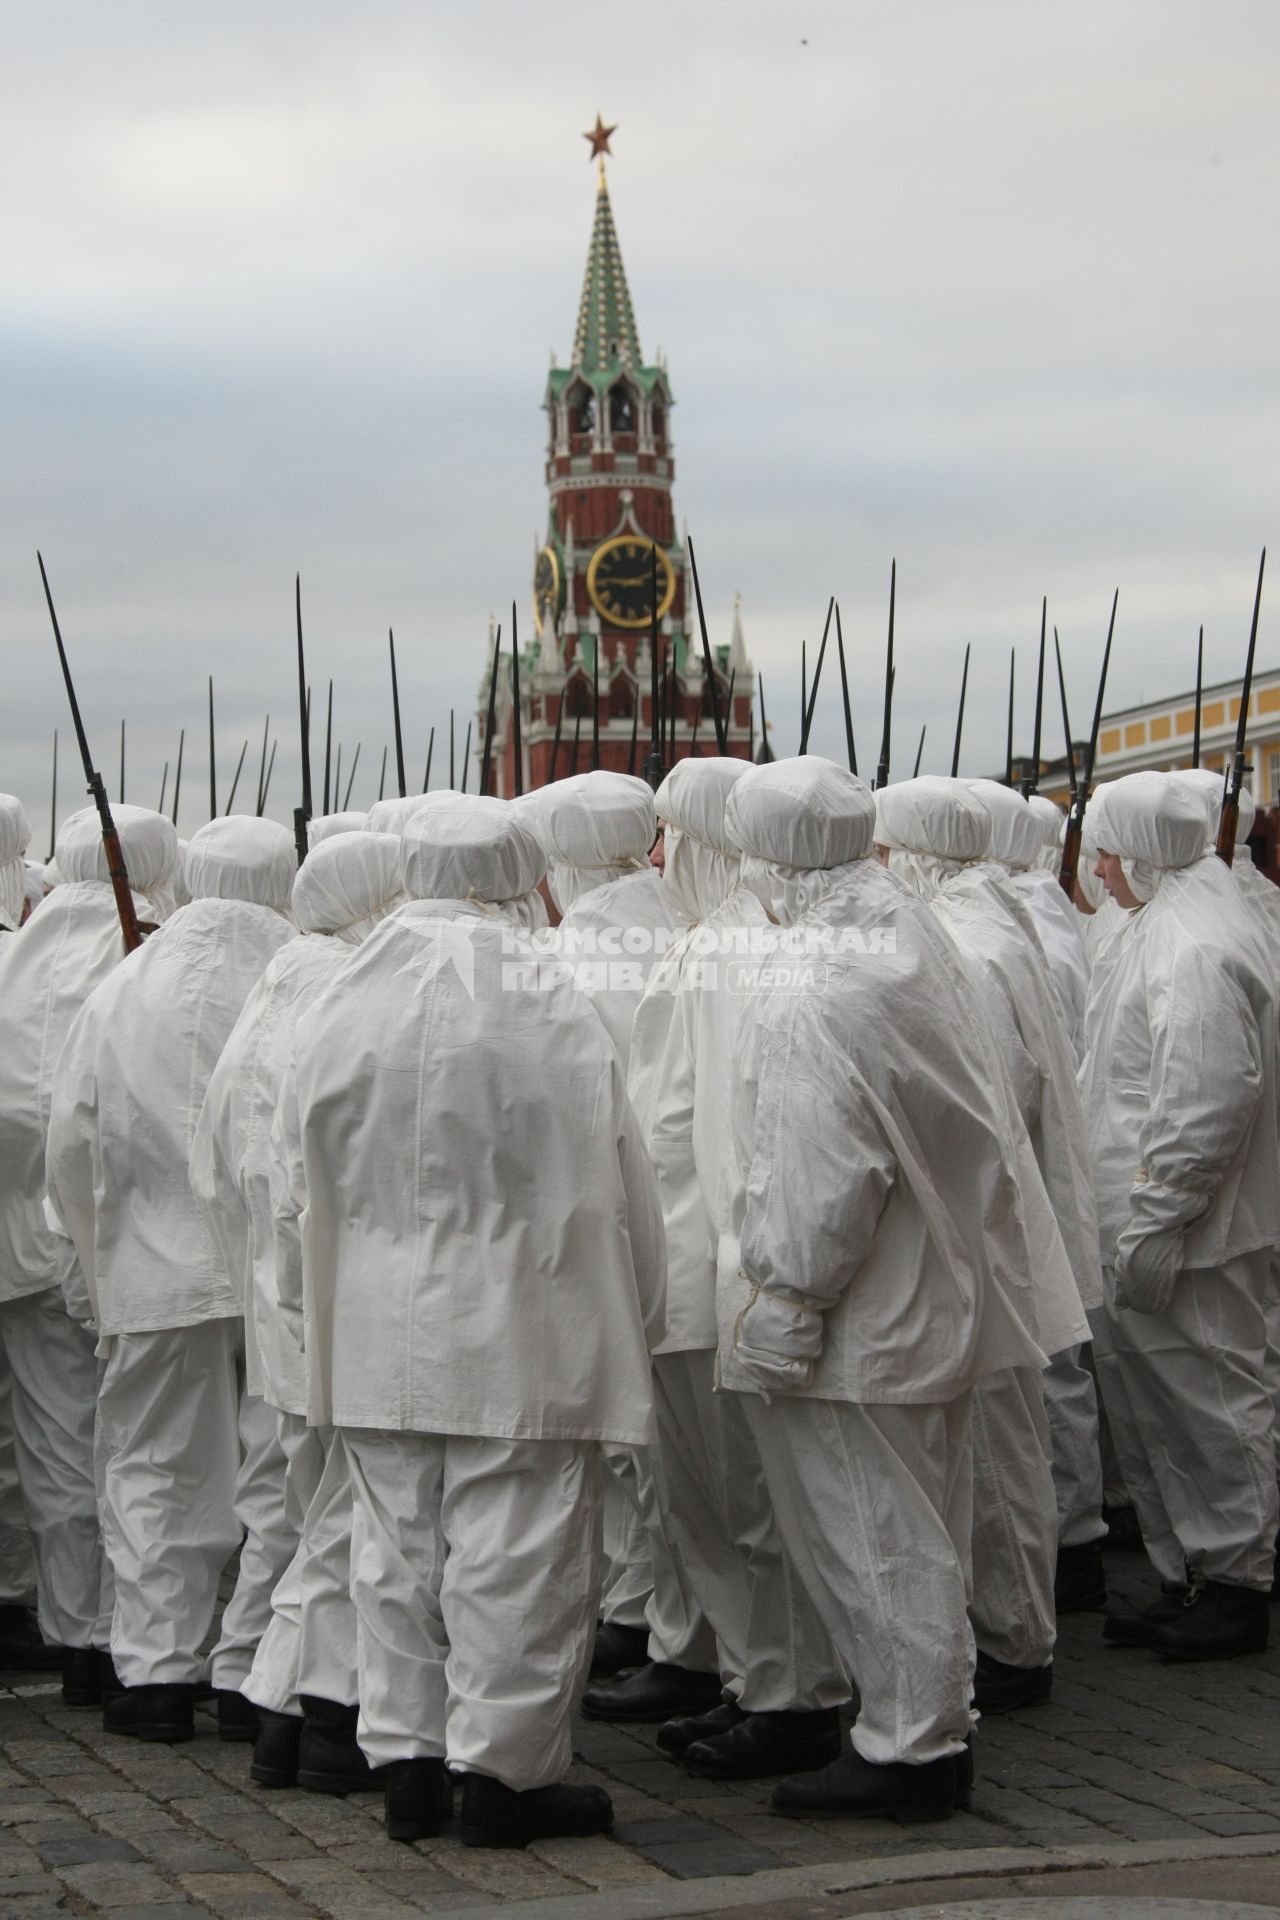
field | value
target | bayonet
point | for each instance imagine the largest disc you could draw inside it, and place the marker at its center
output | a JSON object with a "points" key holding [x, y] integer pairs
{"points": [[1030, 782], [765, 748], [466, 761], [302, 814], [653, 759], [431, 747], [53, 804], [164, 787], [964, 683], [488, 725], [850, 749], [122, 763], [395, 714], [722, 743], [515, 706], [1008, 738], [236, 782], [555, 740], [882, 771], [817, 675], [1066, 718], [1195, 740], [1230, 821], [595, 702], [351, 777], [213, 764], [328, 745], [262, 765], [1075, 819], [177, 777], [267, 781], [915, 772]]}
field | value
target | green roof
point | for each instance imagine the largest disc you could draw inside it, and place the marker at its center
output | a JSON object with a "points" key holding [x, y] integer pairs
{"points": [[606, 336]]}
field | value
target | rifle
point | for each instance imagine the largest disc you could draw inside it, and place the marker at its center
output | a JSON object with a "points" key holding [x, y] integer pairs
{"points": [[1030, 781], [431, 747], [1230, 821], [807, 720], [964, 682], [122, 763], [466, 759], [164, 787], [382, 777], [452, 787], [1075, 819], [722, 740], [129, 927], [351, 777], [1008, 738], [882, 771]]}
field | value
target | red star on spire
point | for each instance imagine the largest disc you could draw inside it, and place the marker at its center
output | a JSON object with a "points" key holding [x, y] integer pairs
{"points": [[599, 138]]}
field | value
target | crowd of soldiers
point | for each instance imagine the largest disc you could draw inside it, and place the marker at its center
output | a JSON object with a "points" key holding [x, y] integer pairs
{"points": [[706, 1258]]}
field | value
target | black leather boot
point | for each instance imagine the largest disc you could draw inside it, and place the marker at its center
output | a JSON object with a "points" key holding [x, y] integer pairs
{"points": [[852, 1786], [275, 1751], [617, 1649], [161, 1712], [329, 1761], [768, 1743], [237, 1717], [1000, 1688], [23, 1648], [1079, 1580], [653, 1692], [418, 1799], [108, 1679], [497, 1816], [1128, 1629], [1216, 1622], [81, 1677], [675, 1737]]}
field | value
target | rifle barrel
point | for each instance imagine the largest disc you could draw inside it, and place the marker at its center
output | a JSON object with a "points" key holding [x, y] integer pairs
{"points": [[129, 927]]}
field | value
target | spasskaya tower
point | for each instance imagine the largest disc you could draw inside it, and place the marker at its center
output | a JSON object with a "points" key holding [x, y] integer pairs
{"points": [[609, 473]]}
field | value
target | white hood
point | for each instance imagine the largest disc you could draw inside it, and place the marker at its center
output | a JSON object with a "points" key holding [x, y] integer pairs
{"points": [[701, 869], [347, 884], [15, 838], [594, 827]]}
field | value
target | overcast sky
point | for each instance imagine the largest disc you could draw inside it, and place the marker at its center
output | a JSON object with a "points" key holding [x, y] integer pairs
{"points": [[992, 288]]}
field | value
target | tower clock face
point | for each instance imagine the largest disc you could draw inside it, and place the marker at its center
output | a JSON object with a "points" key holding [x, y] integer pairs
{"points": [[546, 589], [620, 581]]}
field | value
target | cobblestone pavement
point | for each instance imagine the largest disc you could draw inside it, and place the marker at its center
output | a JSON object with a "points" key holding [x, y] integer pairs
{"points": [[1132, 1762]]}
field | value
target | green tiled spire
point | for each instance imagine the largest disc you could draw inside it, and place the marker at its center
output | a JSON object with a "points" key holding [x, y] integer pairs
{"points": [[606, 336]]}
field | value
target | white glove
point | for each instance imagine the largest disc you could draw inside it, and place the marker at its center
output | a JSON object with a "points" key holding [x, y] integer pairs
{"points": [[777, 1341], [1147, 1269]]}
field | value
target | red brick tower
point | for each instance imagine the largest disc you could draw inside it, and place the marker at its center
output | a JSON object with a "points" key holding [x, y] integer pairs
{"points": [[609, 471]]}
